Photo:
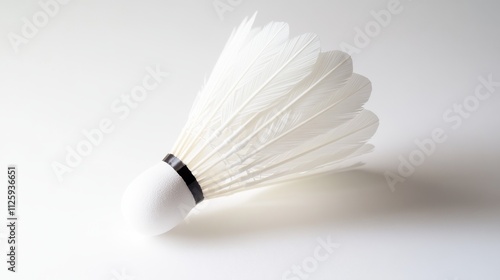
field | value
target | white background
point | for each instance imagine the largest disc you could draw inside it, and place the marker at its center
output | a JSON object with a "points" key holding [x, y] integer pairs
{"points": [[442, 222]]}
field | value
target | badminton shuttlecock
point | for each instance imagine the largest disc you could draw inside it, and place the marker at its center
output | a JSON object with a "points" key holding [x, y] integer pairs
{"points": [[273, 109]]}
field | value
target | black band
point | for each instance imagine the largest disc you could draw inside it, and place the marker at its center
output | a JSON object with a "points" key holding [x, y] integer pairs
{"points": [[186, 175]]}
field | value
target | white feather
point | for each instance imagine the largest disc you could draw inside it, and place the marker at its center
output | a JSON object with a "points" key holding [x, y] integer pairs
{"points": [[340, 108], [209, 93], [317, 155], [274, 109]]}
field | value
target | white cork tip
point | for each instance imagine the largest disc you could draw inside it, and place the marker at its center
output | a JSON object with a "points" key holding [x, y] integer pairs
{"points": [[157, 200]]}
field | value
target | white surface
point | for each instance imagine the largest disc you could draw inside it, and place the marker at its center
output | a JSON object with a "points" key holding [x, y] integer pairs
{"points": [[441, 223], [157, 200]]}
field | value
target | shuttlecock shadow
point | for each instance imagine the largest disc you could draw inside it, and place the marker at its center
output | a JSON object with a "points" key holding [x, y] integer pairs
{"points": [[341, 200]]}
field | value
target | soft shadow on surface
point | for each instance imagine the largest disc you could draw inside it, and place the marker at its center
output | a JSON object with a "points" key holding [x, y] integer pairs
{"points": [[338, 201]]}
